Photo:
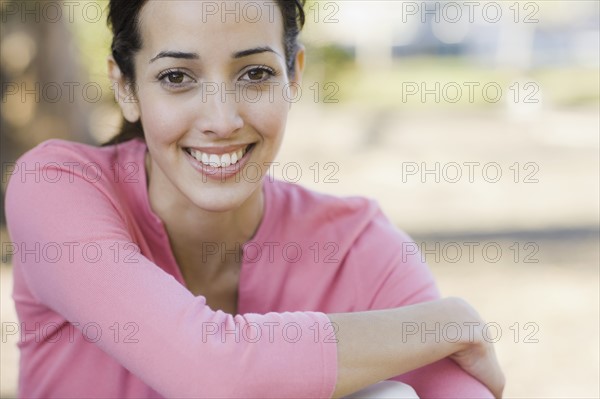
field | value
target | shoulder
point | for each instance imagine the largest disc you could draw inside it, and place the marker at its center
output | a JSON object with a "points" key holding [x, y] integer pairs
{"points": [[63, 153], [55, 160], [351, 222], [365, 257], [58, 170], [309, 207]]}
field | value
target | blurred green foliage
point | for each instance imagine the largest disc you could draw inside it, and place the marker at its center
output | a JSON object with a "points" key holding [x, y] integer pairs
{"points": [[560, 86], [329, 60]]}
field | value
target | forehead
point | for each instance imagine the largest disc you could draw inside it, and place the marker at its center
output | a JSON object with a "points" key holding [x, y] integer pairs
{"points": [[222, 24]]}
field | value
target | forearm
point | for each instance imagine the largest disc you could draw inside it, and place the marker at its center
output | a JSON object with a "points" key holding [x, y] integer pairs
{"points": [[374, 345]]}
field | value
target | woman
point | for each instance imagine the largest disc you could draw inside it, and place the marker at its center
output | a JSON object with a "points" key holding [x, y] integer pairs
{"points": [[160, 267]]}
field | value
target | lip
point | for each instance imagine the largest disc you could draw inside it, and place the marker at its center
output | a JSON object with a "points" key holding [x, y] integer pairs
{"points": [[219, 173], [220, 150]]}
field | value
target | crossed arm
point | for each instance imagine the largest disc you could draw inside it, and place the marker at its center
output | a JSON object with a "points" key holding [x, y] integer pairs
{"points": [[373, 346], [370, 348]]}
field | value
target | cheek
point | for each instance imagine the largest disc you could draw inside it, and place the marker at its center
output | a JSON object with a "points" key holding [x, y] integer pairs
{"points": [[268, 116], [164, 120]]}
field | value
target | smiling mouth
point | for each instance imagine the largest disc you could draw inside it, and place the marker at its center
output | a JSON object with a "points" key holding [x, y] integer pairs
{"points": [[219, 160]]}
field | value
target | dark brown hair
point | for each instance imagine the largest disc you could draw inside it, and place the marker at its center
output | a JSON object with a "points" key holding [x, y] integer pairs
{"points": [[123, 18]]}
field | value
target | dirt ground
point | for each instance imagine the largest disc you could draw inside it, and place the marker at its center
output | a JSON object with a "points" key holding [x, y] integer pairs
{"points": [[534, 270]]}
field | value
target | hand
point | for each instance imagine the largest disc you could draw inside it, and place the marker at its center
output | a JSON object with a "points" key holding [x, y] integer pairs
{"points": [[478, 358]]}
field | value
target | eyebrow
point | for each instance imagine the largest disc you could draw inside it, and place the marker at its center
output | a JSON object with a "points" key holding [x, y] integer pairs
{"points": [[175, 54], [195, 56], [256, 50]]}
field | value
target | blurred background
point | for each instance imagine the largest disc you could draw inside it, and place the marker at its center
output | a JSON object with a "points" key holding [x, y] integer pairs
{"points": [[474, 124]]}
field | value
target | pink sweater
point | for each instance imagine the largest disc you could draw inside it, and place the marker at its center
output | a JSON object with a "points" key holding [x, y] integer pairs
{"points": [[104, 310]]}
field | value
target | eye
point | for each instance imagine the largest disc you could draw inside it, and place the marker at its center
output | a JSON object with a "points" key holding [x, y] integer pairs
{"points": [[258, 74], [174, 78]]}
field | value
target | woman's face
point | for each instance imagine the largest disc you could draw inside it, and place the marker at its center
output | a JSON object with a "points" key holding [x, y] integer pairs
{"points": [[212, 95]]}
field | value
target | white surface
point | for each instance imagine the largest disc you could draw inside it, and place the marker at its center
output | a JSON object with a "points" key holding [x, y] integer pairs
{"points": [[385, 390]]}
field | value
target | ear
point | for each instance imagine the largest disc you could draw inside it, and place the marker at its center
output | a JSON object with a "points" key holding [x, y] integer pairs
{"points": [[299, 64], [124, 92], [296, 81]]}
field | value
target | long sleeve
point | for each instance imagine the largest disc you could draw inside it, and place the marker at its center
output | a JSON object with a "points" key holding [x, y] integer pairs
{"points": [[402, 278], [77, 258]]}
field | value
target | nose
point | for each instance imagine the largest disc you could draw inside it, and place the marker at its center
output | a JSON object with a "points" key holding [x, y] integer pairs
{"points": [[219, 111]]}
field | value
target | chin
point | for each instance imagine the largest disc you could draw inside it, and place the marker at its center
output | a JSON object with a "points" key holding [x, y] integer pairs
{"points": [[222, 199]]}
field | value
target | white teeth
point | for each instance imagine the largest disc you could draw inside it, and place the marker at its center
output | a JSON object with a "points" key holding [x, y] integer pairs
{"points": [[197, 155], [225, 160], [215, 160]]}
